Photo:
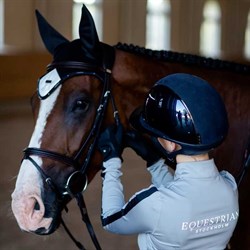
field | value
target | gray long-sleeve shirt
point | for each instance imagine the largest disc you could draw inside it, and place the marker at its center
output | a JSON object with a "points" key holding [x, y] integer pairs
{"points": [[194, 208]]}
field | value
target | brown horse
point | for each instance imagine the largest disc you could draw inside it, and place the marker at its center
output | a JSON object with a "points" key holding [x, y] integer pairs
{"points": [[79, 97]]}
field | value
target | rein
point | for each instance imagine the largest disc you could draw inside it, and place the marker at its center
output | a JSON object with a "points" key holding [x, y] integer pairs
{"points": [[77, 182]]}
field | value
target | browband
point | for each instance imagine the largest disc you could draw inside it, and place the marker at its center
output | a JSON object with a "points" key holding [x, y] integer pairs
{"points": [[75, 65]]}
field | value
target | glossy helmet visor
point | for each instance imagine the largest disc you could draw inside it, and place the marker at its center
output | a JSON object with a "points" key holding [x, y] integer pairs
{"points": [[186, 110]]}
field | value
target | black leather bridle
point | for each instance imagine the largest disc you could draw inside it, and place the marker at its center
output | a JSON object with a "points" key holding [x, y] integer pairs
{"points": [[77, 181]]}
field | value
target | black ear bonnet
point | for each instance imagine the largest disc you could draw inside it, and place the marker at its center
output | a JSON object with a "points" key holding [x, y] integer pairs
{"points": [[83, 56], [85, 49]]}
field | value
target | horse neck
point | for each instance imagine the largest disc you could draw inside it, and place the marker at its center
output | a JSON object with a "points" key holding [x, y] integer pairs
{"points": [[133, 76]]}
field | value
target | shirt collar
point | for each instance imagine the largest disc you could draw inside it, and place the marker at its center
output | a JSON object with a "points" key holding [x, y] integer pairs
{"points": [[198, 169]]}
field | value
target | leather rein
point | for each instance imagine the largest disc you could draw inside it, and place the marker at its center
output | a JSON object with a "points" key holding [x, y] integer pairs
{"points": [[77, 182]]}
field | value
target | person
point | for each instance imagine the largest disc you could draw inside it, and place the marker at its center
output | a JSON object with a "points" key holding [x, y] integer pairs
{"points": [[193, 207]]}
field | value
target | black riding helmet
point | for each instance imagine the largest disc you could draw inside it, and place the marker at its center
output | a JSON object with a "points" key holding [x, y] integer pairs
{"points": [[184, 109]]}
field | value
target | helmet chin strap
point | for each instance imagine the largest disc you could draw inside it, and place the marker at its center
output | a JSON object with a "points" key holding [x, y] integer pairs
{"points": [[171, 156]]}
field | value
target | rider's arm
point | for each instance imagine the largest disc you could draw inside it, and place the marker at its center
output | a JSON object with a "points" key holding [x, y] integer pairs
{"points": [[127, 218], [161, 173]]}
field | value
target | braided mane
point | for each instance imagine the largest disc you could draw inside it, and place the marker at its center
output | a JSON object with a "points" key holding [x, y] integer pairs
{"points": [[189, 59]]}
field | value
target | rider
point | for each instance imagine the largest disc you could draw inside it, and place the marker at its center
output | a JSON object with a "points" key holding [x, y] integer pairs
{"points": [[195, 207]]}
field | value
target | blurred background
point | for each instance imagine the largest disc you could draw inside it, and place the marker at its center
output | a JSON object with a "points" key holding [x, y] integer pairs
{"points": [[211, 28]]}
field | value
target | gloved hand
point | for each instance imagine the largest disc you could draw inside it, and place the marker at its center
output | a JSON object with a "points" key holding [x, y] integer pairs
{"points": [[142, 147], [110, 142]]}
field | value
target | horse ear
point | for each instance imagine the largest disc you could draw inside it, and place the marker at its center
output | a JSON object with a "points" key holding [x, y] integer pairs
{"points": [[51, 38], [88, 34]]}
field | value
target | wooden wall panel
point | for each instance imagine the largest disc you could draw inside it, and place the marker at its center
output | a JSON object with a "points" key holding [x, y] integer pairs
{"points": [[19, 74]]}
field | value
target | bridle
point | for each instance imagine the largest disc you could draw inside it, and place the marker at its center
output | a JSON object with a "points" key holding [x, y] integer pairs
{"points": [[79, 176]]}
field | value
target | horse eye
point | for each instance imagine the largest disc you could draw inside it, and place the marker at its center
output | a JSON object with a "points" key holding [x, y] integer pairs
{"points": [[81, 105]]}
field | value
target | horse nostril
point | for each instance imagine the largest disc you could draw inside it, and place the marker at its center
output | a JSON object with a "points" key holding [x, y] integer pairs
{"points": [[37, 206]]}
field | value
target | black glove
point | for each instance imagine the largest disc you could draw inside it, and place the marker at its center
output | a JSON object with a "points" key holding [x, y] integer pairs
{"points": [[110, 142], [142, 147]]}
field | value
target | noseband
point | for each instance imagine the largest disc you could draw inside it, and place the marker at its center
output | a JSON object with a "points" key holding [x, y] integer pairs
{"points": [[77, 182]]}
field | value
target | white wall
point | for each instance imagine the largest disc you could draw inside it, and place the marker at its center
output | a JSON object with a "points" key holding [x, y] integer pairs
{"points": [[124, 21]]}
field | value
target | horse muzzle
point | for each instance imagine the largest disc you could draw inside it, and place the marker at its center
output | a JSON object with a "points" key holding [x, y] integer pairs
{"points": [[36, 213]]}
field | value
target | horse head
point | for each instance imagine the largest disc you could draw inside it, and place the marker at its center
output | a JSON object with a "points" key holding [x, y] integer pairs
{"points": [[68, 107]]}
